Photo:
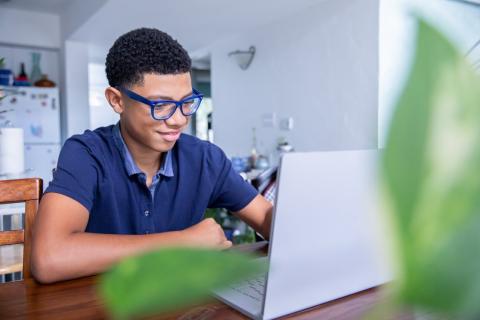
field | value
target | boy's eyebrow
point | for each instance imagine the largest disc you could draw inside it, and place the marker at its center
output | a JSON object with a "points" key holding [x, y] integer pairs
{"points": [[156, 97]]}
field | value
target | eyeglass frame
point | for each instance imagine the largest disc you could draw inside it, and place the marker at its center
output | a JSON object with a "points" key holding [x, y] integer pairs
{"points": [[152, 103]]}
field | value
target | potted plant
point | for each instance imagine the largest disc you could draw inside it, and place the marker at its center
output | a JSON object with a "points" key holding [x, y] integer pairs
{"points": [[6, 75], [431, 172]]}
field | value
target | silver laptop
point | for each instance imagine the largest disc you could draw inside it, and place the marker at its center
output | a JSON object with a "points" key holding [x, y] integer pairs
{"points": [[327, 239]]}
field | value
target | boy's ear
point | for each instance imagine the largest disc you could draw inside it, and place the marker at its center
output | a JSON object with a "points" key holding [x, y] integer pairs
{"points": [[114, 98]]}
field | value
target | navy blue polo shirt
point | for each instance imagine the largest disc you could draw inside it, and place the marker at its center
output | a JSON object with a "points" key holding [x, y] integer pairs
{"points": [[195, 175], [166, 168]]}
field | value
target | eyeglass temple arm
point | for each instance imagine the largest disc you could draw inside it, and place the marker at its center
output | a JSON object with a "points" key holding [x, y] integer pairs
{"points": [[135, 96]]}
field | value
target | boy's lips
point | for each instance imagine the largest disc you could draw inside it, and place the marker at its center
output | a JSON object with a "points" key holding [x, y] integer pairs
{"points": [[170, 135]]}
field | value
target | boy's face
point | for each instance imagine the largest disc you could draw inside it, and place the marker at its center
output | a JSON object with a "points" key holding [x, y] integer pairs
{"points": [[137, 121]]}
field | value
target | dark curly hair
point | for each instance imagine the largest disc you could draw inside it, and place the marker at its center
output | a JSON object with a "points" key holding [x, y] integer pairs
{"points": [[143, 51]]}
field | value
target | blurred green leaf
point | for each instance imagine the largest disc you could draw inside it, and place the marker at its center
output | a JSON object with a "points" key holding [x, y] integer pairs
{"points": [[431, 169], [171, 278], [2, 62], [247, 237]]}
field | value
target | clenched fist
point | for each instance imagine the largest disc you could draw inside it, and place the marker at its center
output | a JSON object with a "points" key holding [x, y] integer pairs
{"points": [[207, 233]]}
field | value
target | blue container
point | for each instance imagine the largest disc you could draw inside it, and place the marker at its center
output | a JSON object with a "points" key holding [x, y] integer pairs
{"points": [[6, 77], [240, 164], [22, 83]]}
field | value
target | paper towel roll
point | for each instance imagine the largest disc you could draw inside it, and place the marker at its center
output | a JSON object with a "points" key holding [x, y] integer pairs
{"points": [[11, 151]]}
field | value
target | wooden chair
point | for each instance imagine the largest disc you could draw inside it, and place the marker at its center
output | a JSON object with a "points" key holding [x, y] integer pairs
{"points": [[265, 179], [16, 191], [264, 182]]}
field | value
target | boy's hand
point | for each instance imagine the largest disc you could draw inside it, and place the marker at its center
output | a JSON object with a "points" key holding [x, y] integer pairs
{"points": [[206, 233]]}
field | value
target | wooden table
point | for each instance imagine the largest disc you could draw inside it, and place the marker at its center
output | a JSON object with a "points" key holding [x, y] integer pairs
{"points": [[78, 299]]}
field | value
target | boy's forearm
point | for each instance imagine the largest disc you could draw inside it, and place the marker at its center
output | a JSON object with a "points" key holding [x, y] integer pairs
{"points": [[83, 254], [265, 227], [258, 215]]}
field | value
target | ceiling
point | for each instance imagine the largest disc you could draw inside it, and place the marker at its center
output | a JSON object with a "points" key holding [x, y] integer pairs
{"points": [[196, 24], [45, 6]]}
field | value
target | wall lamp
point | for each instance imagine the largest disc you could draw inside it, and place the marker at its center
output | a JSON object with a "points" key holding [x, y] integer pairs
{"points": [[243, 57]]}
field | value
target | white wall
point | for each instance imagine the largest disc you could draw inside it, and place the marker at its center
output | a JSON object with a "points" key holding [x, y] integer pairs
{"points": [[101, 114], [76, 14], [29, 28], [320, 68], [75, 118], [75, 56]]}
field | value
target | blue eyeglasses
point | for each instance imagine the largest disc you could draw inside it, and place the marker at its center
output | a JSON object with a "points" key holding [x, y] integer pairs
{"points": [[164, 109]]}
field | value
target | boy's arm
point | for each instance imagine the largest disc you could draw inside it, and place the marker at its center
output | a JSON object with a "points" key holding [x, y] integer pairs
{"points": [[258, 215], [62, 249]]}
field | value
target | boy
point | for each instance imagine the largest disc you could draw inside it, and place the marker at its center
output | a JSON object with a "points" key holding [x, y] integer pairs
{"points": [[139, 184]]}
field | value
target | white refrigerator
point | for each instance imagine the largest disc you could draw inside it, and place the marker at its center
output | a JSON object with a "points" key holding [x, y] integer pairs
{"points": [[36, 110]]}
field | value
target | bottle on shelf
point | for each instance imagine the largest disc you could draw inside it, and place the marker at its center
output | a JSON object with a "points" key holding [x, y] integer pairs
{"points": [[36, 73], [22, 78]]}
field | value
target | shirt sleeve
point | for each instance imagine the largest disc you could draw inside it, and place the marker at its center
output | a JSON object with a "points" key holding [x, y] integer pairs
{"points": [[230, 190], [76, 173]]}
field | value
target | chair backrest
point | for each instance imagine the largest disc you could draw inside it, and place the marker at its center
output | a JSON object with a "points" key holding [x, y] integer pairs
{"points": [[265, 183], [30, 192], [265, 179]]}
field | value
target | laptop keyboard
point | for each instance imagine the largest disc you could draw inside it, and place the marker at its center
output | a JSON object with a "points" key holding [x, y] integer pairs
{"points": [[253, 288]]}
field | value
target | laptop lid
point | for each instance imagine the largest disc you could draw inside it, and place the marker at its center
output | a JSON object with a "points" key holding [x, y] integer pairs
{"points": [[327, 239]]}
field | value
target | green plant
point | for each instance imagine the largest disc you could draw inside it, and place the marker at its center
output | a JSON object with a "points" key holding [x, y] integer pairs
{"points": [[167, 279], [229, 221], [248, 236], [431, 172], [2, 63], [219, 215]]}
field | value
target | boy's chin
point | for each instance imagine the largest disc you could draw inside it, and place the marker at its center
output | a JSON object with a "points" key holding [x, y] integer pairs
{"points": [[164, 146]]}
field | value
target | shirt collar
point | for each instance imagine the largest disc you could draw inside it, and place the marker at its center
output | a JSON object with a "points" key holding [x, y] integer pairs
{"points": [[166, 168]]}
